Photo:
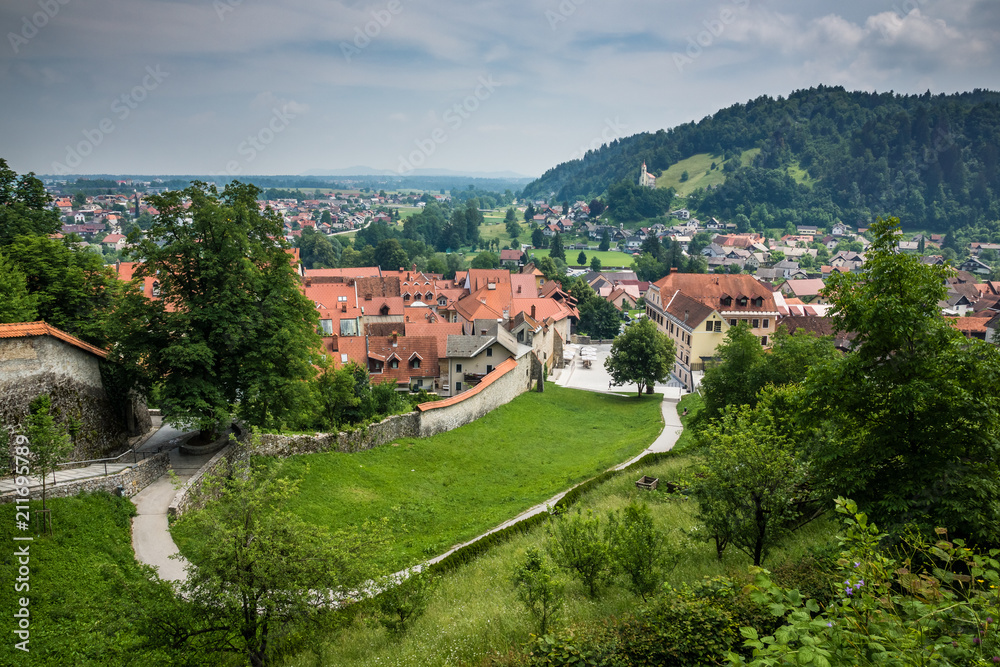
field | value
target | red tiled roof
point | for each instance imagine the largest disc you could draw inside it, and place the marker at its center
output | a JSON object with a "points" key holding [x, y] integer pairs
{"points": [[437, 330], [497, 373], [710, 288], [25, 329], [423, 348]]}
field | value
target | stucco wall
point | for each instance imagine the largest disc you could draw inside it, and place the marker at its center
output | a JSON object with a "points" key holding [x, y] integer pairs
{"points": [[474, 405], [72, 377]]}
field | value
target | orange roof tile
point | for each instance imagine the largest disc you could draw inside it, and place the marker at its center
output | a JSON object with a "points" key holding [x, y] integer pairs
{"points": [[25, 329]]}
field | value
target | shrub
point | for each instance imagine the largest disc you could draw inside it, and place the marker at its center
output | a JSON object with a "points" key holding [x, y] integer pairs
{"points": [[579, 545], [639, 549], [403, 602], [538, 589]]}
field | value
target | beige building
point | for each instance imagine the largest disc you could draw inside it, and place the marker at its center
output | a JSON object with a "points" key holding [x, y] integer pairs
{"points": [[697, 310]]}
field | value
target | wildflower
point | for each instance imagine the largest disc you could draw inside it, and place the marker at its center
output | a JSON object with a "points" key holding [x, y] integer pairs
{"points": [[976, 641], [829, 625], [996, 658], [857, 564], [848, 590]]}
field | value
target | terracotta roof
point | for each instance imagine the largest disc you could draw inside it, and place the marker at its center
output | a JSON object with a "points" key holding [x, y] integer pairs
{"points": [[497, 373], [479, 278], [437, 330], [691, 312], [405, 349], [523, 285], [370, 286], [709, 289], [25, 329], [356, 349], [806, 287], [971, 324], [353, 272]]}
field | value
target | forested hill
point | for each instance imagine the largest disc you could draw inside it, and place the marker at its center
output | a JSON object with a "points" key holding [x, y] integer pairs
{"points": [[824, 153]]}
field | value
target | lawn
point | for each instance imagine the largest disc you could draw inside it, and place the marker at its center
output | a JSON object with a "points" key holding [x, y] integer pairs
{"points": [[475, 612], [81, 580], [700, 172], [609, 258], [443, 490]]}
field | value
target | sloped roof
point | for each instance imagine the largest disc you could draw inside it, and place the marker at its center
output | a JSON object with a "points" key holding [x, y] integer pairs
{"points": [[439, 331], [370, 286], [479, 278], [352, 272], [523, 285], [502, 369], [27, 329], [692, 312], [806, 287], [709, 288], [405, 347]]}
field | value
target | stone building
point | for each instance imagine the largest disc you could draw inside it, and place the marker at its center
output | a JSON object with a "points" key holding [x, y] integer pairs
{"points": [[36, 358]]}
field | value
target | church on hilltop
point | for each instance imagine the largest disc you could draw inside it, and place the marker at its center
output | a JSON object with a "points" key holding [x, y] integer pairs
{"points": [[646, 179]]}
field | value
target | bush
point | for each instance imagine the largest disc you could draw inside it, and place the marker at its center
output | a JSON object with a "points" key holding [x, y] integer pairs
{"points": [[639, 549], [538, 589], [401, 603], [579, 544]]}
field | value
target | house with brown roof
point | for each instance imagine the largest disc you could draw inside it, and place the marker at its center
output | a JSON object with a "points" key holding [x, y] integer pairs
{"points": [[411, 362], [472, 357], [35, 359]]}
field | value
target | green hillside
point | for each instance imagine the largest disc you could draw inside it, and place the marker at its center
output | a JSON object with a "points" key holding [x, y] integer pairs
{"points": [[813, 157]]}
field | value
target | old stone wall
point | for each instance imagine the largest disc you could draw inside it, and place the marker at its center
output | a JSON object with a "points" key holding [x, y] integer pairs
{"points": [[131, 481], [72, 377], [197, 491], [390, 428], [472, 406]]}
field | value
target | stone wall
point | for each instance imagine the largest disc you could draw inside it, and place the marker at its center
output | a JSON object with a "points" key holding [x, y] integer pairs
{"points": [[72, 377], [132, 481], [390, 428], [194, 494], [471, 405]]}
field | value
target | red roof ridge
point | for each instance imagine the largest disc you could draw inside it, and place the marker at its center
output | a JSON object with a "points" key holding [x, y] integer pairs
{"points": [[24, 329], [505, 367]]}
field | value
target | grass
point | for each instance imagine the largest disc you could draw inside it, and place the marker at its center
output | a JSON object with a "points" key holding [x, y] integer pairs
{"points": [[443, 490], [609, 258], [694, 404], [801, 175], [700, 173], [475, 613], [76, 592]]}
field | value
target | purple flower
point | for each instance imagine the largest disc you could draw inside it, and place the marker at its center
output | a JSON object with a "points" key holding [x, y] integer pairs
{"points": [[848, 590], [829, 625], [856, 564], [996, 658], [976, 641]]}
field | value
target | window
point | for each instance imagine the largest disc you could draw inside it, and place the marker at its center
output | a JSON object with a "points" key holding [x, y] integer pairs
{"points": [[755, 323], [415, 363], [394, 363], [727, 301], [767, 322], [758, 302], [671, 328], [327, 327], [763, 340], [341, 298], [489, 352], [743, 301], [489, 368], [458, 386], [732, 323], [718, 326], [745, 321], [458, 368], [708, 326]]}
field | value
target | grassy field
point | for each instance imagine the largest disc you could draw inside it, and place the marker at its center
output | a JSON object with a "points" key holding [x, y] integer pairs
{"points": [[801, 175], [475, 613], [609, 258], [78, 593], [446, 489], [700, 173]]}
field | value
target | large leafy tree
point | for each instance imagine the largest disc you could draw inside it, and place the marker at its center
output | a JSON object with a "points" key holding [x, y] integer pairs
{"points": [[599, 318], [73, 289], [231, 330], [914, 407], [24, 206], [16, 304], [749, 480], [642, 354]]}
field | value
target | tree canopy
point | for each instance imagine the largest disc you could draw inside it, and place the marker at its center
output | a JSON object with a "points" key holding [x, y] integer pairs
{"points": [[231, 331], [642, 354]]}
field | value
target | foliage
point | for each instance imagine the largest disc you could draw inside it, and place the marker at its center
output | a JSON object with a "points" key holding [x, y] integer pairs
{"points": [[628, 201], [556, 250], [642, 354], [639, 550], [317, 250], [928, 158], [261, 569], [24, 206], [750, 479], [73, 289], [595, 264], [605, 243], [538, 588], [582, 546], [924, 602], [486, 260], [912, 411], [50, 443], [400, 603], [232, 330], [598, 317], [16, 304]]}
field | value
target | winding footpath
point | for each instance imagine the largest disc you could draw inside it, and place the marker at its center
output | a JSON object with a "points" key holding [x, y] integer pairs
{"points": [[154, 546]]}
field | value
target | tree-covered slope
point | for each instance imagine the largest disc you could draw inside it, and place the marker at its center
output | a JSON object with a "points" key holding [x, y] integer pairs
{"points": [[824, 153]]}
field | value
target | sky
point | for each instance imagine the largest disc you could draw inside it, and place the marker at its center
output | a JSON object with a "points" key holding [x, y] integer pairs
{"points": [[253, 87]]}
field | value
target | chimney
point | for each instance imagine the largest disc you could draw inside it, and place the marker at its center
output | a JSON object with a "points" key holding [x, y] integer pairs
{"points": [[395, 338], [532, 311]]}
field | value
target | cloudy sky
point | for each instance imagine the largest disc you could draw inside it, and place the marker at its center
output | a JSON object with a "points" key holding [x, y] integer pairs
{"points": [[288, 86]]}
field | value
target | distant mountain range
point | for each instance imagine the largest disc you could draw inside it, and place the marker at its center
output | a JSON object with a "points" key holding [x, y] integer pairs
{"points": [[362, 170]]}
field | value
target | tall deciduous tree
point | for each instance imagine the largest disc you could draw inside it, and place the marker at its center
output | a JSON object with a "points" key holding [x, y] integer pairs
{"points": [[24, 206], [914, 408], [16, 304], [231, 330], [749, 480], [642, 354], [260, 568]]}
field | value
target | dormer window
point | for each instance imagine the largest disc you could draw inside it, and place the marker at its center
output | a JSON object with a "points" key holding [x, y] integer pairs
{"points": [[727, 301], [742, 301], [406, 297], [394, 363], [758, 302], [415, 363], [384, 310]]}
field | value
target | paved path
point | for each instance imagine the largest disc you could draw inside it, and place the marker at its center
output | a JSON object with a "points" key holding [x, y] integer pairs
{"points": [[596, 378], [151, 538]]}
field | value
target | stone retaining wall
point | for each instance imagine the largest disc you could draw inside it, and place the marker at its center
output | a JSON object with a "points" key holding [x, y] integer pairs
{"points": [[359, 440], [193, 495], [132, 481]]}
